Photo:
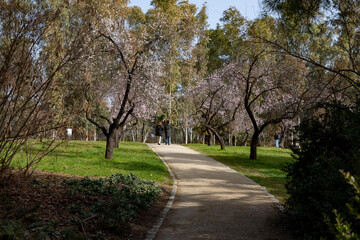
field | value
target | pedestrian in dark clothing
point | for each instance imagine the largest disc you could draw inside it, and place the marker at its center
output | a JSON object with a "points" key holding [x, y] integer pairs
{"points": [[167, 133], [159, 132]]}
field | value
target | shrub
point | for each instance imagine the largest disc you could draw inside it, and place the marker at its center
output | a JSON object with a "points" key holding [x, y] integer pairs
{"points": [[342, 228], [127, 195], [329, 141], [11, 229]]}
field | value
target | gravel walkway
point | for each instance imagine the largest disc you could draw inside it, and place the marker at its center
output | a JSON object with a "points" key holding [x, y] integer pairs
{"points": [[215, 202]]}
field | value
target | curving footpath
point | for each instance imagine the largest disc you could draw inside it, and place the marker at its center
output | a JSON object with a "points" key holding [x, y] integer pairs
{"points": [[215, 202]]}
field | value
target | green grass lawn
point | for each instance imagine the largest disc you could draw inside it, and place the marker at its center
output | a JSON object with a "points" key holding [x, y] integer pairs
{"points": [[88, 159], [266, 170]]}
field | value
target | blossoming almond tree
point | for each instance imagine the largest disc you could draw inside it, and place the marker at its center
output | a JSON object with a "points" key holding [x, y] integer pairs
{"points": [[273, 88], [123, 75], [216, 102]]}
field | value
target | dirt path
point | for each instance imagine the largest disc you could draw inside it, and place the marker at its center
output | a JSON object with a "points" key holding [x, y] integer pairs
{"points": [[215, 202]]}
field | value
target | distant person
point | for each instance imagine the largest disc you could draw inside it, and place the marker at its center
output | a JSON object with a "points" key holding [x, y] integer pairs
{"points": [[159, 132], [167, 133], [277, 138]]}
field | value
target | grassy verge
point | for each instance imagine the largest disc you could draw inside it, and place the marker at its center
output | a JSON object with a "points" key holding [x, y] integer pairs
{"points": [[266, 170], [87, 159]]}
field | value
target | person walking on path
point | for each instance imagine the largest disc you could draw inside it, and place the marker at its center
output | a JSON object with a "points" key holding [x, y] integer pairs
{"points": [[167, 133], [159, 132], [277, 139]]}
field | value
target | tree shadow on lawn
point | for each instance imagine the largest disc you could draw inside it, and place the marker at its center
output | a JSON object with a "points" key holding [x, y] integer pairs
{"points": [[129, 166], [74, 151], [263, 162]]}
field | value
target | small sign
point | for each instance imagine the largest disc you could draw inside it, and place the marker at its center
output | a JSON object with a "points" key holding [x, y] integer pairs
{"points": [[69, 132]]}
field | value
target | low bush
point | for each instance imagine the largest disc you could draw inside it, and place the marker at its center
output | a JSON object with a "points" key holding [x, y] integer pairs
{"points": [[126, 196], [343, 229], [12, 229], [329, 142]]}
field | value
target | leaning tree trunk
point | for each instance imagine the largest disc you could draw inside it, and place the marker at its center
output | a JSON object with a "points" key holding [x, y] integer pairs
{"points": [[245, 142], [217, 135], [210, 137], [221, 140]]}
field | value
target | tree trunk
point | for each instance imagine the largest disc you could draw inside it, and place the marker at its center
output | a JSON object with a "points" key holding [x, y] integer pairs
{"points": [[144, 137], [116, 137], [110, 144], [183, 135], [253, 145], [143, 132], [210, 136], [283, 132], [191, 135], [222, 142], [220, 138], [245, 139], [133, 135], [264, 137]]}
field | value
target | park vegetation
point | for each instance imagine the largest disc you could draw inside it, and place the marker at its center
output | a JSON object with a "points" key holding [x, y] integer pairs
{"points": [[110, 71]]}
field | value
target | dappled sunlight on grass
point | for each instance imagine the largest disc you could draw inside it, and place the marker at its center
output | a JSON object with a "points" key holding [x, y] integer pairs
{"points": [[266, 170], [88, 158]]}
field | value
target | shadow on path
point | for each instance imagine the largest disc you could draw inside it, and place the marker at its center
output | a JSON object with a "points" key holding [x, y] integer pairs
{"points": [[215, 202]]}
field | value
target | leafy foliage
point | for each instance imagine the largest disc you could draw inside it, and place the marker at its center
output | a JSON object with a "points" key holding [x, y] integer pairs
{"points": [[31, 59], [11, 230], [73, 208], [127, 195], [329, 141], [343, 228]]}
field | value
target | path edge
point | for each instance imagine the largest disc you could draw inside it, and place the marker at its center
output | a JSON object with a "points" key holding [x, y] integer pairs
{"points": [[153, 231]]}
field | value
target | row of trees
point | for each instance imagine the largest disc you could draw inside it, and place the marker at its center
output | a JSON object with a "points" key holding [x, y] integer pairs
{"points": [[114, 66], [252, 82]]}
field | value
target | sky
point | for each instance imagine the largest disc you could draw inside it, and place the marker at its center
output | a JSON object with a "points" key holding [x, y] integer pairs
{"points": [[250, 9]]}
